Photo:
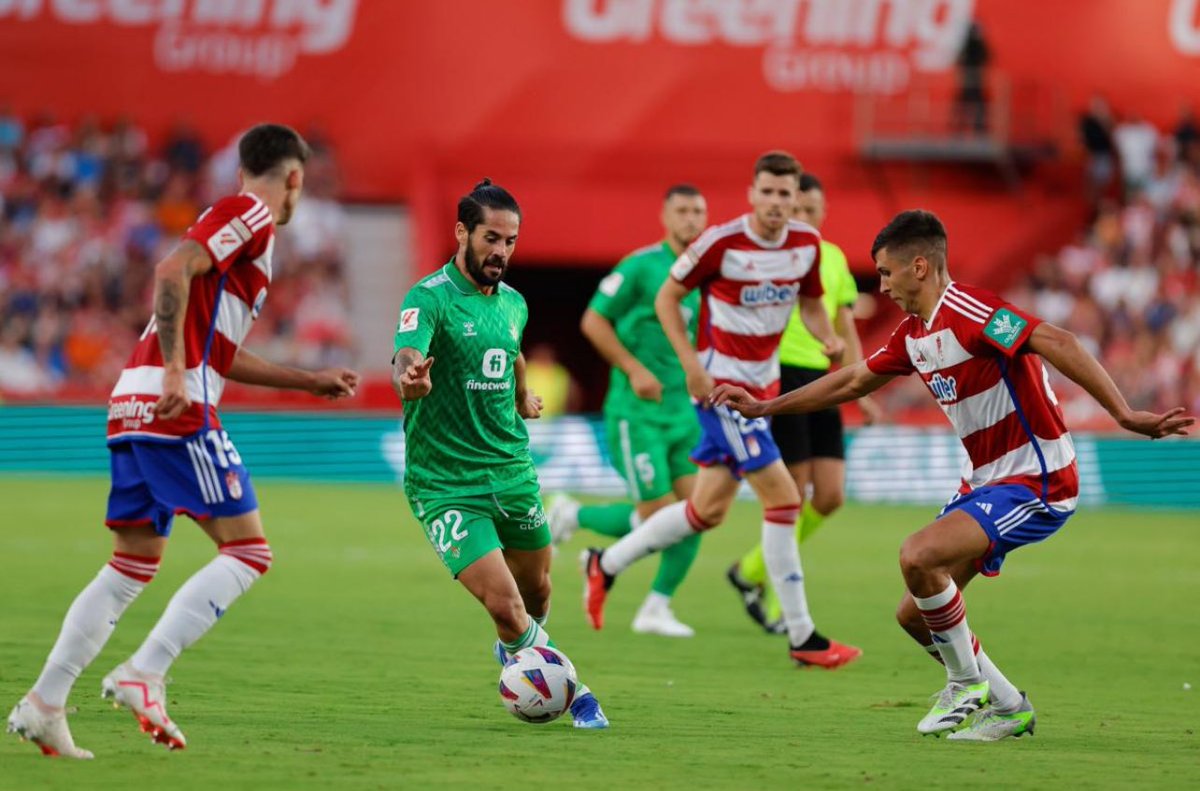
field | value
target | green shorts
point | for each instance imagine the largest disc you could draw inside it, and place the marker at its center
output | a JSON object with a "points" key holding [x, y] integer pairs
{"points": [[651, 456], [464, 528]]}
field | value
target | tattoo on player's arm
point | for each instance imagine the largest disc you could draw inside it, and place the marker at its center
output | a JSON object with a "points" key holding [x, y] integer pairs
{"points": [[167, 304]]}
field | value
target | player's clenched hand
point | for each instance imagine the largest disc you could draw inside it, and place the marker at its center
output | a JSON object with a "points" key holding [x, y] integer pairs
{"points": [[699, 384], [737, 399], [529, 406], [174, 399], [334, 383], [834, 349], [415, 382], [1156, 426], [646, 385]]}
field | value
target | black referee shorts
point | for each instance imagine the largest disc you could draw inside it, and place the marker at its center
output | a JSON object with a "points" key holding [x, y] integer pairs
{"points": [[816, 435]]}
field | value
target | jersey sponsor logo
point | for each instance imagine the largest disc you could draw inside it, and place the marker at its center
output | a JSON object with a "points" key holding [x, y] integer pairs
{"points": [[409, 319], [534, 518], [132, 414], [1005, 327], [224, 242], [945, 388], [475, 384], [768, 294], [611, 284], [495, 363]]}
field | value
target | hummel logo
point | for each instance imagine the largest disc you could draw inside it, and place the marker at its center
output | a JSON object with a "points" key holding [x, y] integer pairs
{"points": [[216, 609], [468, 329], [985, 507]]}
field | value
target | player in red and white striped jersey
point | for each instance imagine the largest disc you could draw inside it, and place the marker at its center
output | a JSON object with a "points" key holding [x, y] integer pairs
{"points": [[981, 358], [170, 455], [751, 272]]}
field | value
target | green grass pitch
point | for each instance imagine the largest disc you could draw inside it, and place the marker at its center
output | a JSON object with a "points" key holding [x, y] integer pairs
{"points": [[357, 663]]}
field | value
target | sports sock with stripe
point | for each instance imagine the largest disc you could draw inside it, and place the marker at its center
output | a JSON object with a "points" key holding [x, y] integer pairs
{"points": [[203, 599], [945, 615], [89, 623]]}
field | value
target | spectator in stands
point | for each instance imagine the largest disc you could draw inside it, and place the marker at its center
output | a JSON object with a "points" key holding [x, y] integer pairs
{"points": [[1096, 129], [971, 106], [1187, 134], [1136, 140]]}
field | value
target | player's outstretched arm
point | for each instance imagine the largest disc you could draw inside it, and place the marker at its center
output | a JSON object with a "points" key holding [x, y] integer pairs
{"points": [[668, 307], [845, 384], [600, 333], [172, 284], [410, 374], [332, 383], [1063, 350]]}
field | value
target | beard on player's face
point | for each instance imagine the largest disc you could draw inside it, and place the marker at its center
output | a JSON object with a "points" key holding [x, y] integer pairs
{"points": [[476, 267]]}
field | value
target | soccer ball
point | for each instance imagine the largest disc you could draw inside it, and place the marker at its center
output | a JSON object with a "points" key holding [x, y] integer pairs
{"points": [[538, 684]]}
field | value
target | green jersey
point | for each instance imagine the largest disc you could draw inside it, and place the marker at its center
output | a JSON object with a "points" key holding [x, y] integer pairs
{"points": [[798, 347], [464, 437], [626, 298]]}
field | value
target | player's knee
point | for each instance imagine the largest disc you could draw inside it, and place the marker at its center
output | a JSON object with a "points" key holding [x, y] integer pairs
{"points": [[825, 503], [705, 516], [916, 555]]}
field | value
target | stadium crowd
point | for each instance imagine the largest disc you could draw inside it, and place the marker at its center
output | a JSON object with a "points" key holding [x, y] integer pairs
{"points": [[1129, 286], [87, 210]]}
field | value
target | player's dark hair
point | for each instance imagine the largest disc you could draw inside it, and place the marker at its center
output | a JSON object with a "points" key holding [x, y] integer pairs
{"points": [[485, 195], [913, 233], [809, 182], [778, 163], [267, 146], [686, 190]]}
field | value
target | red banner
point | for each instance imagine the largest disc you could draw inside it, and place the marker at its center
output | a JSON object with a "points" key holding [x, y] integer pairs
{"points": [[585, 108]]}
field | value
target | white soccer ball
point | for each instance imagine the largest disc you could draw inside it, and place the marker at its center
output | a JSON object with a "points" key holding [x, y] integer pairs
{"points": [[538, 684]]}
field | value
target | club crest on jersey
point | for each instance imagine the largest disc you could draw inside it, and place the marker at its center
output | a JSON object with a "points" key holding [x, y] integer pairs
{"points": [[233, 484], [1005, 327], [944, 388], [469, 329], [768, 294]]}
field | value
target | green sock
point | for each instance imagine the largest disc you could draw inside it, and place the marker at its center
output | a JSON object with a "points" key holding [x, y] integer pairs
{"points": [[752, 567], [535, 635], [674, 565], [607, 520], [810, 521]]}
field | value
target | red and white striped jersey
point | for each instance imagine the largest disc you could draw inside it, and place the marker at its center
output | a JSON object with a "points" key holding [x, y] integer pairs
{"points": [[748, 290], [996, 393], [238, 233]]}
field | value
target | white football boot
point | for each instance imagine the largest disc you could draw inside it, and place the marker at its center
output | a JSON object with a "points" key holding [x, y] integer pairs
{"points": [[33, 720], [657, 618], [955, 703], [563, 513], [146, 697]]}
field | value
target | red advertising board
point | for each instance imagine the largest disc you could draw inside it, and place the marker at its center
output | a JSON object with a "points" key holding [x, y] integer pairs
{"points": [[586, 108]]}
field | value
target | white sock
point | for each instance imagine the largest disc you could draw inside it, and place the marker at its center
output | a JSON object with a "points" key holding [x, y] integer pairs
{"points": [[946, 616], [203, 599], [1002, 693], [89, 623], [782, 558], [656, 602], [635, 521], [667, 527]]}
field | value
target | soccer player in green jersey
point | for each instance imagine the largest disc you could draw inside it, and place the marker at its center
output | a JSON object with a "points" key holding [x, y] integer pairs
{"points": [[812, 445], [648, 414], [468, 473]]}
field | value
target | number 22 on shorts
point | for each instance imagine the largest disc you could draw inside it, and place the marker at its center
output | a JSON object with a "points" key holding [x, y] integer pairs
{"points": [[446, 530]]}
